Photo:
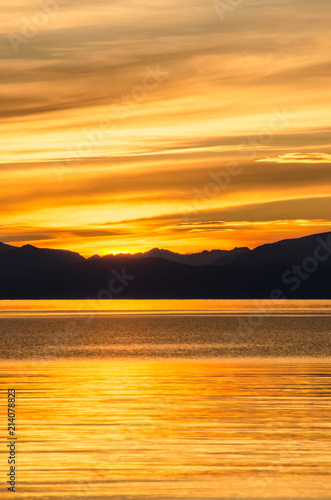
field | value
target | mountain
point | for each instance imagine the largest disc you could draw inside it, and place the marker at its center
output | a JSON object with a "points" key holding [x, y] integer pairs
{"points": [[195, 259], [5, 248], [294, 268], [292, 250], [28, 257]]}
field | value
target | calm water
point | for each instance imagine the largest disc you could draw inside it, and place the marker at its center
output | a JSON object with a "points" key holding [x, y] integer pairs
{"points": [[168, 399]]}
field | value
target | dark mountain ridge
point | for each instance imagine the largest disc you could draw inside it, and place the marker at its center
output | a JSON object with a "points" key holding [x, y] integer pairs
{"points": [[203, 258], [35, 273]]}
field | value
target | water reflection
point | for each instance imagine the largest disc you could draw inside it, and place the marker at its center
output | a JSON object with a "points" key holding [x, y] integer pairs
{"points": [[171, 428]]}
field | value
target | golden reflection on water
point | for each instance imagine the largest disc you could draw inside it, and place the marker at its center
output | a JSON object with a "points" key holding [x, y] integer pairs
{"points": [[230, 429], [87, 306]]}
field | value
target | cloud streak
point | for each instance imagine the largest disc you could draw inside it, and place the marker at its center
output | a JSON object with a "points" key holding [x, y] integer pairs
{"points": [[300, 158]]}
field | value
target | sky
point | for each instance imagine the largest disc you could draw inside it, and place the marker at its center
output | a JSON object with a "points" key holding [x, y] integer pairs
{"points": [[184, 125]]}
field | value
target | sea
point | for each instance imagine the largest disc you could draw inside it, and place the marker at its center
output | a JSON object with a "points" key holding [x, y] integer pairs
{"points": [[166, 399]]}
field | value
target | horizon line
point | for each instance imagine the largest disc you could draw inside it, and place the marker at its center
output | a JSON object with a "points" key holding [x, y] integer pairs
{"points": [[161, 249]]}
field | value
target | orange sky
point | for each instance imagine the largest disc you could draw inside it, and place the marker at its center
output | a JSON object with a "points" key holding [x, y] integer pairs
{"points": [[129, 125]]}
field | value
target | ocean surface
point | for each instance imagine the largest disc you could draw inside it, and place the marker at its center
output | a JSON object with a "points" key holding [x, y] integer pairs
{"points": [[170, 399]]}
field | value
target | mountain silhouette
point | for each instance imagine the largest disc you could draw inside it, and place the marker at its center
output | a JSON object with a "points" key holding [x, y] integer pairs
{"points": [[195, 259], [293, 268]]}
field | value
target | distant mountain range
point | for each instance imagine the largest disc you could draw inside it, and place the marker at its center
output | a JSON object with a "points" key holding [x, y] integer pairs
{"points": [[294, 268], [204, 258]]}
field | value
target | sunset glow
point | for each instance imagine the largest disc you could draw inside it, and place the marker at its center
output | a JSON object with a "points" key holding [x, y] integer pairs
{"points": [[127, 126]]}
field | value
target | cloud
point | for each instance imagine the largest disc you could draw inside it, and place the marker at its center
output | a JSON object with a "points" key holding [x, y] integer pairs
{"points": [[300, 158]]}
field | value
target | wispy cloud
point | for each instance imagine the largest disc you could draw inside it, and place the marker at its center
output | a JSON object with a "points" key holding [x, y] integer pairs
{"points": [[300, 158]]}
